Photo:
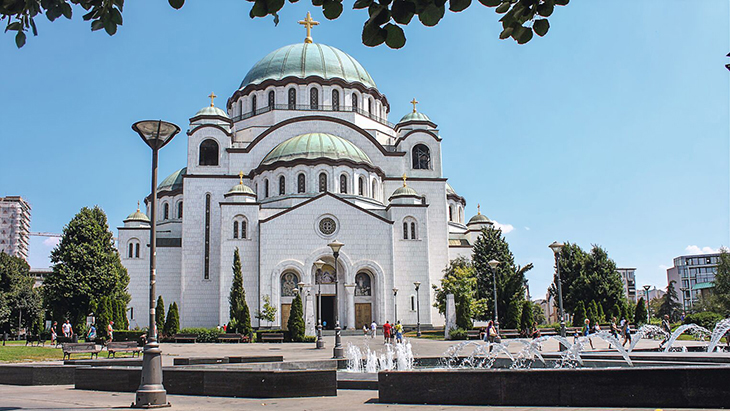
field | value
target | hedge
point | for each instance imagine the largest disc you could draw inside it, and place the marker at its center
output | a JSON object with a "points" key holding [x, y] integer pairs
{"points": [[205, 335], [128, 335], [458, 334], [704, 319]]}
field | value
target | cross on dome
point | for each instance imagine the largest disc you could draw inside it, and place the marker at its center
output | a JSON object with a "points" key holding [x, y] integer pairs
{"points": [[479, 209], [240, 177], [308, 22], [137, 205], [414, 102], [404, 177], [212, 96]]}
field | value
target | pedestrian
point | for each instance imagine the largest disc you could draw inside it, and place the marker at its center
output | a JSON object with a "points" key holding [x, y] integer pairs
{"points": [[667, 328], [91, 336], [66, 328], [491, 332], [373, 329], [626, 330], [613, 330], [110, 330], [365, 330], [535, 332], [398, 333], [54, 336], [587, 331], [386, 332]]}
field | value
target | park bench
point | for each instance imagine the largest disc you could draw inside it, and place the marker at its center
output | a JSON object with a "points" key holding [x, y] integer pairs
{"points": [[63, 340], [35, 339], [232, 337], [272, 337], [80, 348], [472, 334], [123, 346], [185, 338]]}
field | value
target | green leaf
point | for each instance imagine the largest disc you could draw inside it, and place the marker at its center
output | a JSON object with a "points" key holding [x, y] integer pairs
{"points": [[379, 15], [503, 8], [505, 33], [110, 28], [403, 11], [431, 15], [116, 17], [546, 8], [373, 35], [396, 38], [97, 25], [14, 26], [176, 4], [332, 9], [258, 9], [562, 2], [459, 5], [361, 4], [32, 26], [272, 6], [20, 39], [541, 27], [317, 2], [491, 3], [526, 36], [66, 10]]}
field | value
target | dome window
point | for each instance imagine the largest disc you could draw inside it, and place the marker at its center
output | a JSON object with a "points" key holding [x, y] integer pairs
{"points": [[370, 107], [322, 182], [272, 98], [343, 184], [421, 157], [374, 188], [208, 153], [451, 213], [292, 99], [354, 102], [266, 188], [335, 100], [180, 210], [361, 186], [282, 185], [166, 211], [301, 183], [314, 99], [253, 104]]}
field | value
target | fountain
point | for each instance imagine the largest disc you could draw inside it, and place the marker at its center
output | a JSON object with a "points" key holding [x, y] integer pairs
{"points": [[721, 328], [648, 330], [400, 357], [693, 329]]}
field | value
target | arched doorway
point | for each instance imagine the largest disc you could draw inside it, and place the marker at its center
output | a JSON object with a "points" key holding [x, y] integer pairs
{"points": [[363, 299], [325, 304], [289, 289]]}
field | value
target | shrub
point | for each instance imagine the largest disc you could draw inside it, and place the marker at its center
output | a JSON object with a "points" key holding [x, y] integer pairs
{"points": [[704, 319], [173, 320], [309, 338], [296, 320], [205, 335], [458, 334], [579, 315], [160, 315], [128, 335]]}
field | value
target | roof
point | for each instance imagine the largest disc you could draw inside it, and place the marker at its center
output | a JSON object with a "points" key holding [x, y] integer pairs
{"points": [[479, 219], [404, 191], [211, 111], [241, 189], [415, 116], [174, 181], [703, 286], [137, 216], [316, 145], [458, 242], [308, 59]]}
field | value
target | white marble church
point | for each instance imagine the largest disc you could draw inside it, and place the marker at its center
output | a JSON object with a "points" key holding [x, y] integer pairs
{"points": [[302, 155]]}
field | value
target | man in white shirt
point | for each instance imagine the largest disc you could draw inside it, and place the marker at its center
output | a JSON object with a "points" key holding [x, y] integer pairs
{"points": [[373, 329]]}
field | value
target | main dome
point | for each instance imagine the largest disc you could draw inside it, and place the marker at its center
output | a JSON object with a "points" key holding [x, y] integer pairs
{"points": [[316, 145], [308, 59]]}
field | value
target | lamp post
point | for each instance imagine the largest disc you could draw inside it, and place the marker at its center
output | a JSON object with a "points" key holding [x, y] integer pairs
{"points": [[493, 265], [646, 292], [338, 351], [556, 247], [319, 264], [151, 393], [395, 305], [684, 298], [418, 309]]}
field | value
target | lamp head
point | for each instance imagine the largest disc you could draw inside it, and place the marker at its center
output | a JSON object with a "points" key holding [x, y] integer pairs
{"points": [[556, 247], [301, 284], [395, 291], [319, 264], [417, 284], [156, 133], [335, 246], [647, 287], [493, 264]]}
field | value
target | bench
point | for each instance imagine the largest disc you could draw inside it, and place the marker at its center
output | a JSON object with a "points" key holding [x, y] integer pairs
{"points": [[123, 346], [272, 337], [80, 348], [472, 334], [232, 337], [185, 338], [35, 339]]}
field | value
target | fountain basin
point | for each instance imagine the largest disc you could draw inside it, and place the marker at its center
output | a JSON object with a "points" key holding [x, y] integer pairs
{"points": [[669, 386]]}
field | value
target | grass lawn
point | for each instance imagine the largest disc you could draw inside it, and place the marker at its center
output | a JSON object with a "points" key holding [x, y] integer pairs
{"points": [[429, 335], [17, 352]]}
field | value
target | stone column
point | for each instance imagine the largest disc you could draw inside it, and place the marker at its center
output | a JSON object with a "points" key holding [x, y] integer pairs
{"points": [[350, 319], [309, 314]]}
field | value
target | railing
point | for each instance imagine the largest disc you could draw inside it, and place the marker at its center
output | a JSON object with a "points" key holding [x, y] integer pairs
{"points": [[307, 107]]}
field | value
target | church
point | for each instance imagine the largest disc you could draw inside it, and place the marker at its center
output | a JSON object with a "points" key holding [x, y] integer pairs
{"points": [[302, 155]]}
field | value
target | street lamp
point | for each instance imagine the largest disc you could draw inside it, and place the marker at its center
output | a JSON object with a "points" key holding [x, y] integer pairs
{"points": [[338, 351], [418, 309], [395, 305], [493, 264], [151, 393], [319, 264], [684, 298], [556, 247], [646, 291]]}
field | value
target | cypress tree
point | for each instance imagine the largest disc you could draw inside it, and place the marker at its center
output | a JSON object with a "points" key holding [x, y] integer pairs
{"points": [[579, 315], [601, 313], [514, 311], [240, 317], [172, 325], [527, 317], [296, 320], [640, 312], [104, 314], [591, 312], [160, 315]]}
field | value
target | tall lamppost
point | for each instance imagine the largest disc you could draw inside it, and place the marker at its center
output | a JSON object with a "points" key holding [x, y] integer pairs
{"points": [[319, 264], [395, 305], [493, 265], [556, 247], [684, 299], [418, 309], [338, 351], [646, 292], [151, 393]]}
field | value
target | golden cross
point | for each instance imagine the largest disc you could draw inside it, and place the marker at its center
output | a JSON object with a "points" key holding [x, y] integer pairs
{"points": [[414, 102], [404, 177], [137, 205], [308, 23], [212, 96], [240, 177], [479, 209]]}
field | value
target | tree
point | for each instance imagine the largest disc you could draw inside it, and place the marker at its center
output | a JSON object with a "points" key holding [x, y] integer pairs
{"points": [[521, 18], [238, 309], [601, 314], [579, 314], [670, 303], [296, 320], [591, 312], [459, 279], [86, 268], [722, 282], [20, 304], [172, 324], [527, 318], [640, 312], [104, 313], [268, 313], [491, 245], [160, 315], [538, 315]]}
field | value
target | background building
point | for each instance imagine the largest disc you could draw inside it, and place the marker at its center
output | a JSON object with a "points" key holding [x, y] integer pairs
{"points": [[14, 226], [695, 276], [628, 277]]}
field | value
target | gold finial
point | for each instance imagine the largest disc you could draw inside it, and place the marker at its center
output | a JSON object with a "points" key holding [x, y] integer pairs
{"points": [[212, 96], [404, 177], [414, 102], [240, 177], [308, 23], [138, 206], [479, 209]]}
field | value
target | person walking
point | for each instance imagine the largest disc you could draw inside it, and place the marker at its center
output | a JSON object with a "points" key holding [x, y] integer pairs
{"points": [[110, 330], [66, 328], [587, 331], [491, 335], [667, 328], [91, 336], [54, 336], [535, 332], [398, 333], [373, 329], [626, 330], [386, 332]]}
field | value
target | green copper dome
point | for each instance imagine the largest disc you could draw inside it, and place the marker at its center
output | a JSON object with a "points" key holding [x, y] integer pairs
{"points": [[479, 219], [137, 216], [404, 191], [415, 116], [316, 145], [211, 111], [303, 60], [174, 181], [241, 189]]}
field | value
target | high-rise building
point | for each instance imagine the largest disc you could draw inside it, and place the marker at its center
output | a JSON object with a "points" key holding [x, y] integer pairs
{"points": [[628, 278], [694, 276], [14, 226]]}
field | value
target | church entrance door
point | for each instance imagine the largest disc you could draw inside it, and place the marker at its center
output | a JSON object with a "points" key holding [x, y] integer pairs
{"points": [[285, 311], [363, 315], [328, 312]]}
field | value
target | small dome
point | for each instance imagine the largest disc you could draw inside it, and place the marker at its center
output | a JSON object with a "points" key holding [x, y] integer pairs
{"points": [[137, 216], [415, 116], [449, 189], [174, 181], [404, 191], [241, 189], [211, 111], [316, 145], [308, 59], [479, 219]]}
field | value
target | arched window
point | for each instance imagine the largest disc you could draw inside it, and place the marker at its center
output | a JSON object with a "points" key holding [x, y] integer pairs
{"points": [[322, 182], [370, 107], [136, 250], [292, 99], [235, 229], [361, 186], [206, 268], [253, 104], [180, 209], [421, 157], [131, 250], [208, 155], [289, 281], [301, 183], [413, 303], [343, 184], [451, 213], [405, 230], [266, 188], [335, 100], [354, 102], [272, 99], [244, 229], [413, 231], [166, 211], [363, 285], [282, 185], [374, 189], [461, 214], [409, 229], [314, 99], [240, 227]]}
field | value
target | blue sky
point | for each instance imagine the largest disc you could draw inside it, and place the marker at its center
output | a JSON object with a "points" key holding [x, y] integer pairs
{"points": [[611, 130]]}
